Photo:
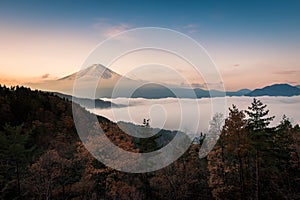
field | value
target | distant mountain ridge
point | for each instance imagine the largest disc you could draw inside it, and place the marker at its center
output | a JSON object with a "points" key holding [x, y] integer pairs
{"points": [[241, 92], [144, 89], [162, 92], [88, 103], [276, 90]]}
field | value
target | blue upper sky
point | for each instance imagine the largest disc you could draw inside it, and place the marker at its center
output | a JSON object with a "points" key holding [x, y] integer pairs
{"points": [[233, 17], [232, 31]]}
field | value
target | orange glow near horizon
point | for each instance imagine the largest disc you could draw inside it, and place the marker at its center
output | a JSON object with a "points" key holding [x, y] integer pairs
{"points": [[29, 54]]}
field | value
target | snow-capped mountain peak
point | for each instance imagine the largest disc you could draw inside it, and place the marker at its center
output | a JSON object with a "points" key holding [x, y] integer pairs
{"points": [[94, 71]]}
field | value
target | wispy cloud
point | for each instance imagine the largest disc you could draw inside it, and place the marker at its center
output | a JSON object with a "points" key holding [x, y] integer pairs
{"points": [[191, 28], [287, 72], [194, 85], [45, 76], [198, 85], [24, 80], [39, 79], [108, 28], [212, 86]]}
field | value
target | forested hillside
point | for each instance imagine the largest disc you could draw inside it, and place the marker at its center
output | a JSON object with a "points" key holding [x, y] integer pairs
{"points": [[42, 157]]}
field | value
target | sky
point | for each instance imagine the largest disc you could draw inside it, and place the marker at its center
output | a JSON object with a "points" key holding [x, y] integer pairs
{"points": [[253, 43]]}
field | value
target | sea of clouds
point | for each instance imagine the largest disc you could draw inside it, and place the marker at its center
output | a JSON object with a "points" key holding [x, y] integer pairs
{"points": [[193, 115]]}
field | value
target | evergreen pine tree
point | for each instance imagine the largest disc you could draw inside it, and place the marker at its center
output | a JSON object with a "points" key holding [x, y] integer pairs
{"points": [[14, 155], [261, 141]]}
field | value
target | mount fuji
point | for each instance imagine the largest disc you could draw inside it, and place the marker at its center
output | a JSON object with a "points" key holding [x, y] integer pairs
{"points": [[96, 70], [85, 79]]}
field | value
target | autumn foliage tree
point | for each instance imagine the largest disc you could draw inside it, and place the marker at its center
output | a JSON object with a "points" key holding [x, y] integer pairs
{"points": [[42, 156], [14, 155], [227, 163]]}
